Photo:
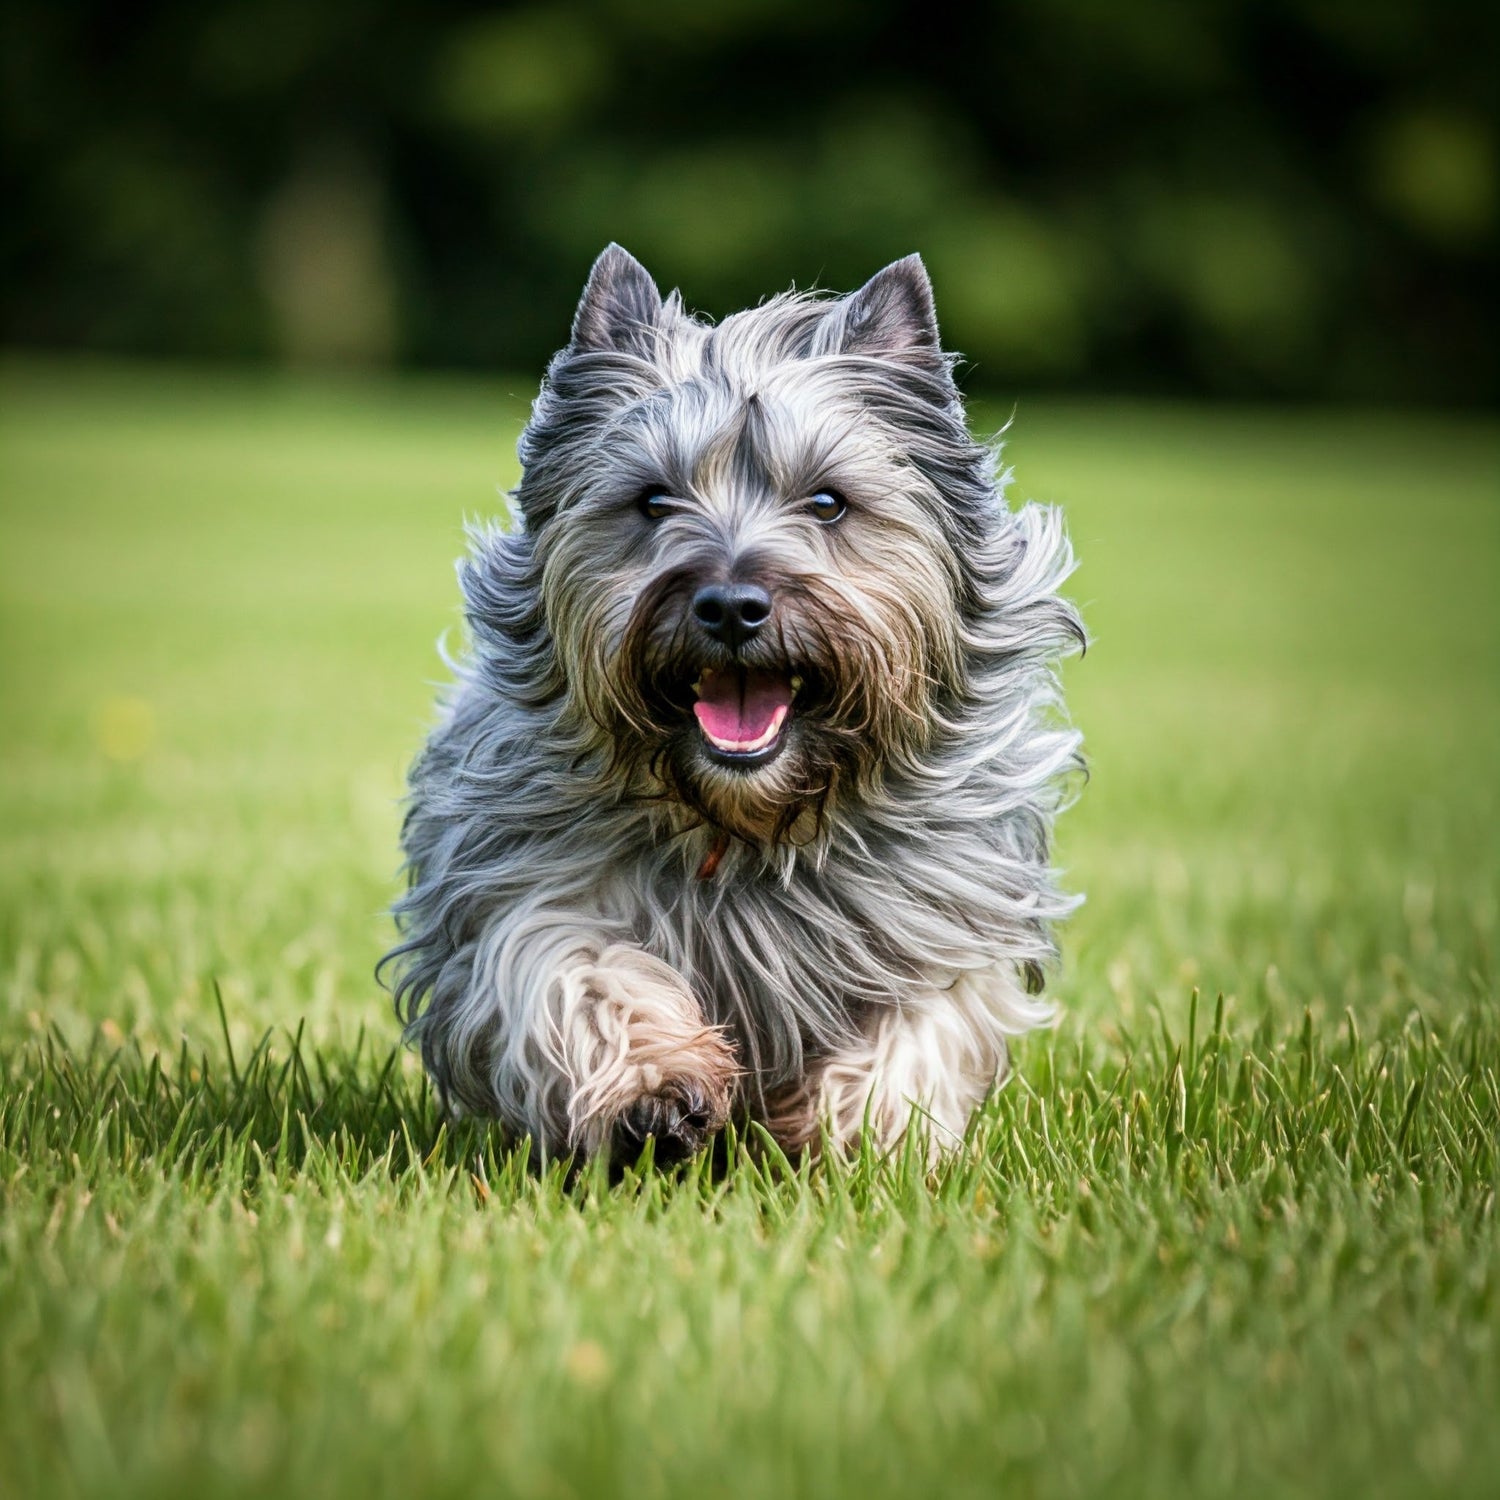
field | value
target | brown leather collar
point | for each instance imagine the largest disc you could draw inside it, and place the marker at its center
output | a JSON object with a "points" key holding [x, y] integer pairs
{"points": [[716, 851]]}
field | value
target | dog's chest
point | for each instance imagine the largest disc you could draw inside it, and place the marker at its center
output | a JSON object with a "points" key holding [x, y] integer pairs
{"points": [[805, 954]]}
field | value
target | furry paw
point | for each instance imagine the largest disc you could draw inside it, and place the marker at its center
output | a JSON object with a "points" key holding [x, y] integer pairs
{"points": [[679, 1119]]}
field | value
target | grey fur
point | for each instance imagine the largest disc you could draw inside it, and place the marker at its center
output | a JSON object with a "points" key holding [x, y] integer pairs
{"points": [[559, 813]]}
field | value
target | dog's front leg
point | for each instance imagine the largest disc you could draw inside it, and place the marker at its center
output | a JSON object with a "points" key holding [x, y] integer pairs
{"points": [[933, 1058], [588, 1045]]}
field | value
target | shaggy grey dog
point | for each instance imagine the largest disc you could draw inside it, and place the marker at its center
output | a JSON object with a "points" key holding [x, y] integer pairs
{"points": [[743, 795]]}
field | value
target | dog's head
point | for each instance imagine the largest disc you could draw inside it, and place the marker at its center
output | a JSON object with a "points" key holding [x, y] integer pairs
{"points": [[753, 539]]}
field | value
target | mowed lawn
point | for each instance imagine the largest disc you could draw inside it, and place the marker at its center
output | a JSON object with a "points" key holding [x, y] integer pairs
{"points": [[1232, 1230]]}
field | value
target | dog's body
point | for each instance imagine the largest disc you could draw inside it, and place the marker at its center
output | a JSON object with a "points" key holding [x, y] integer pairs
{"points": [[744, 794]]}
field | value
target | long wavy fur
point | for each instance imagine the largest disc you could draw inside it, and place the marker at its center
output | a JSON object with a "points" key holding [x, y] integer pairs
{"points": [[554, 824]]}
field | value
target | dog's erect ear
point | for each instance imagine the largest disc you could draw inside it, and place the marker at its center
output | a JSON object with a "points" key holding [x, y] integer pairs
{"points": [[618, 306], [892, 313]]}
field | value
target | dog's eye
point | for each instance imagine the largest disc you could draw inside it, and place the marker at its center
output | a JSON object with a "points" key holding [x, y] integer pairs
{"points": [[827, 507], [655, 505]]}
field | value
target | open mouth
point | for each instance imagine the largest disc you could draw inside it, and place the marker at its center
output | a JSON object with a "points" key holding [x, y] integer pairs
{"points": [[743, 712]]}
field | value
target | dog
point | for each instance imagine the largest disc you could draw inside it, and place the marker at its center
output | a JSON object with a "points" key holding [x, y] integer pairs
{"points": [[741, 801]]}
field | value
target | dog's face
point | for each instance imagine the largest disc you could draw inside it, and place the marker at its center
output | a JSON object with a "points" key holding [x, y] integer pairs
{"points": [[751, 538]]}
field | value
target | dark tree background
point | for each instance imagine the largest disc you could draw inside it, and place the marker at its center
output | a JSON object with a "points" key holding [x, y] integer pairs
{"points": [[1289, 198]]}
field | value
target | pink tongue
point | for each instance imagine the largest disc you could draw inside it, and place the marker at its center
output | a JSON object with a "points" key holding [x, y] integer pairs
{"points": [[739, 707]]}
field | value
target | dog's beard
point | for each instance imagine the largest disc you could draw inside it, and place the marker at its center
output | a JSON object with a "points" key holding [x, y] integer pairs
{"points": [[759, 741]]}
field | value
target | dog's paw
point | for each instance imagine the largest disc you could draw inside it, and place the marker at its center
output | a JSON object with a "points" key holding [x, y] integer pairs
{"points": [[679, 1120]]}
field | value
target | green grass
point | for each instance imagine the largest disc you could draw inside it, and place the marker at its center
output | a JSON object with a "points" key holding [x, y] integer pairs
{"points": [[1239, 1246]]}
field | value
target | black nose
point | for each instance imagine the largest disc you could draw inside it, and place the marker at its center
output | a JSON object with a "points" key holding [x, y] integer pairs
{"points": [[732, 612]]}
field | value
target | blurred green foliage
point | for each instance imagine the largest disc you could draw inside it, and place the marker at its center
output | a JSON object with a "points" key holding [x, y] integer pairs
{"points": [[1289, 198]]}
